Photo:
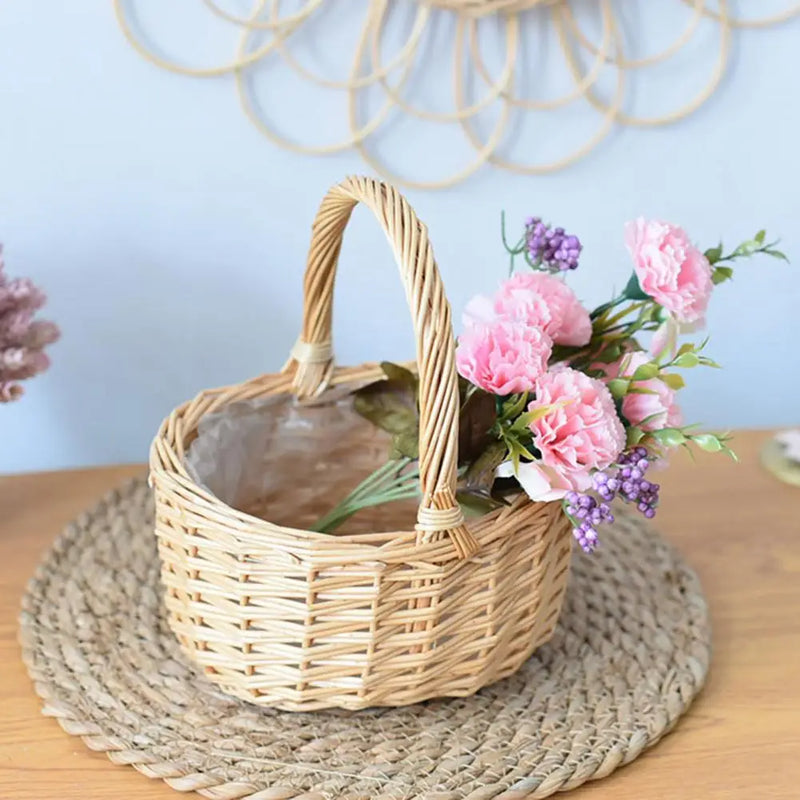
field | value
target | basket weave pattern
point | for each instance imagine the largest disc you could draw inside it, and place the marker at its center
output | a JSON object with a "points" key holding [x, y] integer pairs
{"points": [[301, 620]]}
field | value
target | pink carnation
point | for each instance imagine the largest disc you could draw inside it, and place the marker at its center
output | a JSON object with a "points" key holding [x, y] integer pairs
{"points": [[502, 356], [650, 412], [544, 301], [581, 433], [670, 268]]}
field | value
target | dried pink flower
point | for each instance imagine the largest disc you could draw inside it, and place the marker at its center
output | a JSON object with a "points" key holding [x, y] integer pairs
{"points": [[22, 338]]}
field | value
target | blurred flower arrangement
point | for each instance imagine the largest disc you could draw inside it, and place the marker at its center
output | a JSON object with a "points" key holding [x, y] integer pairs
{"points": [[22, 338], [560, 401]]}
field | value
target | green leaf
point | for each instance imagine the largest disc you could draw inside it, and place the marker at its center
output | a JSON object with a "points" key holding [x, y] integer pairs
{"points": [[651, 417], [708, 442], [747, 248], [400, 375], [771, 251], [610, 354], [525, 419], [673, 380], [601, 310], [476, 505], [687, 359], [480, 475], [517, 451], [646, 372], [562, 352], [669, 437], [618, 387], [721, 274], [641, 390], [633, 289], [392, 406], [514, 406], [714, 254], [759, 237], [405, 444], [686, 347], [386, 410], [651, 312], [635, 435], [476, 419], [731, 453]]}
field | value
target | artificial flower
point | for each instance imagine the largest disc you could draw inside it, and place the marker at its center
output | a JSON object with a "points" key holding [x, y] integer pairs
{"points": [[560, 430], [538, 300], [581, 432], [22, 338], [670, 269], [539, 482], [652, 408], [551, 247], [545, 301], [502, 356], [664, 343]]}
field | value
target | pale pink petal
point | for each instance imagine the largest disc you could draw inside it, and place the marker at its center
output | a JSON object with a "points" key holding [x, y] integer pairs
{"points": [[540, 485], [665, 340], [504, 356], [580, 432], [670, 268], [545, 301], [479, 309]]}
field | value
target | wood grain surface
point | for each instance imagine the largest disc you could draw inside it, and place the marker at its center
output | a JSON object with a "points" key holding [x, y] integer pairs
{"points": [[738, 526]]}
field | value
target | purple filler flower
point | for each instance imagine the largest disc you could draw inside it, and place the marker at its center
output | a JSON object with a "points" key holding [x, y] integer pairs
{"points": [[625, 480], [586, 514], [633, 486], [551, 248]]}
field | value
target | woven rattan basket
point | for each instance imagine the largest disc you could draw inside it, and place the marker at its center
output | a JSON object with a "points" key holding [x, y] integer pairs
{"points": [[299, 620]]}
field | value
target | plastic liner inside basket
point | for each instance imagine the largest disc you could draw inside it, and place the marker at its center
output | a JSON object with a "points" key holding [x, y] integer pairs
{"points": [[291, 462]]}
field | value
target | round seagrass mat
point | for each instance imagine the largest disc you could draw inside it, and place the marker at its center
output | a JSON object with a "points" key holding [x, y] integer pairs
{"points": [[630, 654]]}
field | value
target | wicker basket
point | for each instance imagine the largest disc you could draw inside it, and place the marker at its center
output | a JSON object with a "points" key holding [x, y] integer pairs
{"points": [[298, 620]]}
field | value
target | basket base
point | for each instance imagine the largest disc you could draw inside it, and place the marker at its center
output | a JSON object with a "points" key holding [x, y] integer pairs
{"points": [[370, 616], [629, 654]]}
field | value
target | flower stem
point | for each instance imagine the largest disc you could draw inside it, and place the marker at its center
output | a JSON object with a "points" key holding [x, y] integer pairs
{"points": [[512, 250], [387, 483], [600, 310]]}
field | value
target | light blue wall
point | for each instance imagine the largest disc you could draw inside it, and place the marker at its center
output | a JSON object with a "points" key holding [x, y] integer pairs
{"points": [[171, 237]]}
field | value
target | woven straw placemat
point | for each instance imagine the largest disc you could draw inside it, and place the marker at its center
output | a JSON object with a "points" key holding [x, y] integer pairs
{"points": [[630, 653]]}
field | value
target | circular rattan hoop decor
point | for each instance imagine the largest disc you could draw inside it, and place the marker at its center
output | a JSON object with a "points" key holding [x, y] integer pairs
{"points": [[630, 653], [600, 57]]}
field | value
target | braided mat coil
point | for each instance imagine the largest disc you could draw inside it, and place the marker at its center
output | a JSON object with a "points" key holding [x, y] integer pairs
{"points": [[630, 654]]}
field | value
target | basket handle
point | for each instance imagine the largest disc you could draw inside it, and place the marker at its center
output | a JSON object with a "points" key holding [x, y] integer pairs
{"points": [[312, 356]]}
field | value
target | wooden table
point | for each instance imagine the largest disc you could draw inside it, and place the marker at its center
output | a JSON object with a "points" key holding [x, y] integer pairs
{"points": [[738, 526]]}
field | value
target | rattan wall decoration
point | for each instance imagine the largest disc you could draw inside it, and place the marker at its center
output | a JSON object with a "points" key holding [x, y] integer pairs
{"points": [[270, 29]]}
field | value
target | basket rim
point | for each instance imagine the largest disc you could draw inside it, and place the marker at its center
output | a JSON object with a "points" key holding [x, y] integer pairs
{"points": [[177, 478]]}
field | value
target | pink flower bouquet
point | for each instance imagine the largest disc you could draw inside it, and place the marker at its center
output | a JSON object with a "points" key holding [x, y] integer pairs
{"points": [[565, 403]]}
